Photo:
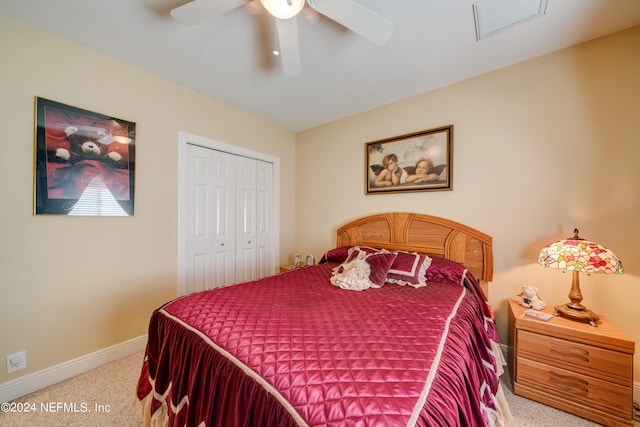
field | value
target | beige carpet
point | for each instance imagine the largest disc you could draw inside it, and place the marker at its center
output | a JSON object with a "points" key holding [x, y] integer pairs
{"points": [[107, 394]]}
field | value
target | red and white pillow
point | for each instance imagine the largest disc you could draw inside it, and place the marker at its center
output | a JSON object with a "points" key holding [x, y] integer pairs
{"points": [[409, 269], [339, 254], [365, 267]]}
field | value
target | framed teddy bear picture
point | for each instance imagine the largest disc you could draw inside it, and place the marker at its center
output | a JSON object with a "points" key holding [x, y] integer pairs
{"points": [[84, 162]]}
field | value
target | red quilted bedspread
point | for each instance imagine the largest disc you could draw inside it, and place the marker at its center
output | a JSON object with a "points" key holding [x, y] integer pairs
{"points": [[294, 350]]}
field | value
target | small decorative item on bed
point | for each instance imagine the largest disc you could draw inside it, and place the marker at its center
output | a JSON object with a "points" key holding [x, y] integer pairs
{"points": [[416, 345], [84, 162], [420, 161]]}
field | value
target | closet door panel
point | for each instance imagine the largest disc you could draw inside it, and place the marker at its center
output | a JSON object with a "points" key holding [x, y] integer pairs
{"points": [[246, 219], [224, 219], [264, 218], [210, 219], [199, 233]]}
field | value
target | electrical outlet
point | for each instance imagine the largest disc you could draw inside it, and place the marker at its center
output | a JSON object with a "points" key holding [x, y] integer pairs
{"points": [[16, 361]]}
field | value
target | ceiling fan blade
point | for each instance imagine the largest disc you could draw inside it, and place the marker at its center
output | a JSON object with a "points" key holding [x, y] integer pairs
{"points": [[357, 18], [201, 10], [289, 46], [265, 37]]}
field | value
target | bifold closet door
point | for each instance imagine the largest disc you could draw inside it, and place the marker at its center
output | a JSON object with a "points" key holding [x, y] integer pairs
{"points": [[229, 219], [211, 227], [254, 192]]}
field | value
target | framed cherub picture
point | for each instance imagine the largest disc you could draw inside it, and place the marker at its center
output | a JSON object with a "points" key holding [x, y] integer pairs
{"points": [[84, 162], [420, 161]]}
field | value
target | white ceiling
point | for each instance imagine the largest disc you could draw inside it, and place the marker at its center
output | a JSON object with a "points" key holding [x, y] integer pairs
{"points": [[433, 45]]}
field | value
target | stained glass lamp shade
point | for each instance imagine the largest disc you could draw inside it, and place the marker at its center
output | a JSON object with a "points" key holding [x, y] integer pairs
{"points": [[578, 255]]}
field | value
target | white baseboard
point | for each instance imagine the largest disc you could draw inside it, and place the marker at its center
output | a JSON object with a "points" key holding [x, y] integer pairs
{"points": [[636, 384], [44, 378]]}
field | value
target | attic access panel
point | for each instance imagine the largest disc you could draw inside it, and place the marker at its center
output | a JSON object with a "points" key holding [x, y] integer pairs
{"points": [[494, 16]]}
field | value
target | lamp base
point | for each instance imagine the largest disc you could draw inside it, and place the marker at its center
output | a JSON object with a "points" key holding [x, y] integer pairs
{"points": [[580, 315]]}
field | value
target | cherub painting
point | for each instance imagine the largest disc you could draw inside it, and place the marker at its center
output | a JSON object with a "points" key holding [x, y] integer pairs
{"points": [[414, 162]]}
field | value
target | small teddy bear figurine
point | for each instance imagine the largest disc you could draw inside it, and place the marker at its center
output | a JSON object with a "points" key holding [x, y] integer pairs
{"points": [[530, 298]]}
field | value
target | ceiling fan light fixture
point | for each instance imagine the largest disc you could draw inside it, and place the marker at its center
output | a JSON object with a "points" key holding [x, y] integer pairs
{"points": [[283, 9]]}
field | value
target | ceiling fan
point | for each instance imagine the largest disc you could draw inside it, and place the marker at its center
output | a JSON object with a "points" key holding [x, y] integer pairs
{"points": [[348, 13]]}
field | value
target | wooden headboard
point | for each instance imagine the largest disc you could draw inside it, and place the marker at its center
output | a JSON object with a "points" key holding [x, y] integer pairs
{"points": [[425, 234]]}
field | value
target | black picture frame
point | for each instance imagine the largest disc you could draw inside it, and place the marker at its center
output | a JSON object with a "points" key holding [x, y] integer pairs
{"points": [[419, 161], [84, 162]]}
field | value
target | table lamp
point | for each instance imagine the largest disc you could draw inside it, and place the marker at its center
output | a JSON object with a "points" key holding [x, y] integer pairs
{"points": [[579, 255]]}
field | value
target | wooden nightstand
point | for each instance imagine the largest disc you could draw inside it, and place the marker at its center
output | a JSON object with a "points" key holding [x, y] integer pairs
{"points": [[573, 366], [289, 267]]}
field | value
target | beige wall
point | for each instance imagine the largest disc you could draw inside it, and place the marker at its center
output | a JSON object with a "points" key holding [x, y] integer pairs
{"points": [[534, 147], [539, 148], [71, 286]]}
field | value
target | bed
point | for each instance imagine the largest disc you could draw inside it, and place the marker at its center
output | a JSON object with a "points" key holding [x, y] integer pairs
{"points": [[415, 346]]}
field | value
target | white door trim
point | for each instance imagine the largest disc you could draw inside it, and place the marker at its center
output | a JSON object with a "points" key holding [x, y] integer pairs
{"points": [[185, 138]]}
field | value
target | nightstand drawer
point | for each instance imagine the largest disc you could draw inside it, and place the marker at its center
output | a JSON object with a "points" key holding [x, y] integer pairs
{"points": [[591, 392], [605, 364]]}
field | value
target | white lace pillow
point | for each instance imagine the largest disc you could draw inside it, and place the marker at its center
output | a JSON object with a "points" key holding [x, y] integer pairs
{"points": [[352, 275]]}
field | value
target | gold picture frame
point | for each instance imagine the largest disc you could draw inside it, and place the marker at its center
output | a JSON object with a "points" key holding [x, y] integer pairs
{"points": [[419, 161]]}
